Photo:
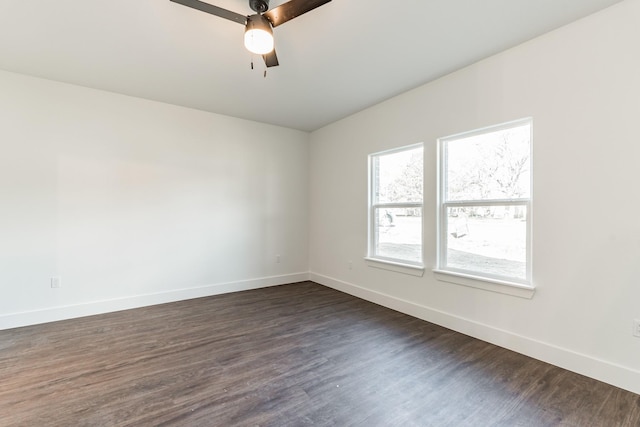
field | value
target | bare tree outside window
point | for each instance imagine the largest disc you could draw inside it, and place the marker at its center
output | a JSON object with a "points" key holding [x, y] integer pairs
{"points": [[485, 202]]}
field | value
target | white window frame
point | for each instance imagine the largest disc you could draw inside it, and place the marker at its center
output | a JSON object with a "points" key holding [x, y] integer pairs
{"points": [[508, 285], [388, 263]]}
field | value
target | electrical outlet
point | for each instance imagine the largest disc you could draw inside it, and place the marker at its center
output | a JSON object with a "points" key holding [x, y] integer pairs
{"points": [[278, 259], [636, 327], [350, 265], [56, 282]]}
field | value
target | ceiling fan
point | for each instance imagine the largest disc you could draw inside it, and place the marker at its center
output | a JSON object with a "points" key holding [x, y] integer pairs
{"points": [[258, 33]]}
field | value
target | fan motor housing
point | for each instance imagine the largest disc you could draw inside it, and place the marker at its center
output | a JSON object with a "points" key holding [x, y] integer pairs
{"points": [[260, 6]]}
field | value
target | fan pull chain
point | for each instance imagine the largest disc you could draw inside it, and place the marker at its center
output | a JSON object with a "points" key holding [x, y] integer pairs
{"points": [[265, 68]]}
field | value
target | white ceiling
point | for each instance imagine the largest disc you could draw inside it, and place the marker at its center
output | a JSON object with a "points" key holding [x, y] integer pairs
{"points": [[336, 60]]}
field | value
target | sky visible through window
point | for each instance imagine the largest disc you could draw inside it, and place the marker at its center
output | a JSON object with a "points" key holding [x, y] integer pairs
{"points": [[400, 176], [493, 165]]}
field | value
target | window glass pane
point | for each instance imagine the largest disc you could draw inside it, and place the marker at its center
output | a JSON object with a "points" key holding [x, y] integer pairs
{"points": [[398, 233], [398, 177], [488, 239], [492, 165]]}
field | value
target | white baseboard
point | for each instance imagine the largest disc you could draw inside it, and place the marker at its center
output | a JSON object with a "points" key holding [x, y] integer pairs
{"points": [[15, 320], [611, 373], [601, 370]]}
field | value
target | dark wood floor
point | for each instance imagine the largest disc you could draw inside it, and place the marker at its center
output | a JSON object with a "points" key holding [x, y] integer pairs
{"points": [[294, 355]]}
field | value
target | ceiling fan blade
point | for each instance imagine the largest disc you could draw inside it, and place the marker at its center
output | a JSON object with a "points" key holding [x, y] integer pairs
{"points": [[214, 10], [270, 59], [291, 9]]}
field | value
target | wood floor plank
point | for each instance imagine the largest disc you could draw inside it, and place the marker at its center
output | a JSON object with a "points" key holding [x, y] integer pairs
{"points": [[294, 355]]}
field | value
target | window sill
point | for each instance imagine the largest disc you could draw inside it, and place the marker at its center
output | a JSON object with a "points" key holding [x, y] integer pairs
{"points": [[500, 286], [398, 267]]}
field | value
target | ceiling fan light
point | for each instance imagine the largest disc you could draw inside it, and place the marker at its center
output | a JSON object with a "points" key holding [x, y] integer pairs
{"points": [[258, 35]]}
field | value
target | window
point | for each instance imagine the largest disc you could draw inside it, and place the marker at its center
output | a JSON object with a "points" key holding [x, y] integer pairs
{"points": [[395, 206], [484, 216]]}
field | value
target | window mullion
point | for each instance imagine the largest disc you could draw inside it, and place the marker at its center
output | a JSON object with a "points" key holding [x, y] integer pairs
{"points": [[397, 205], [487, 202]]}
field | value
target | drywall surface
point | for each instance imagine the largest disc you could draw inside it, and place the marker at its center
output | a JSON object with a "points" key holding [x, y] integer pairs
{"points": [[580, 85], [132, 202]]}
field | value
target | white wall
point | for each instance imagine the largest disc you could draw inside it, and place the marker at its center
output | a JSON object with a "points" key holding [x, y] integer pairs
{"points": [[581, 86], [133, 202]]}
